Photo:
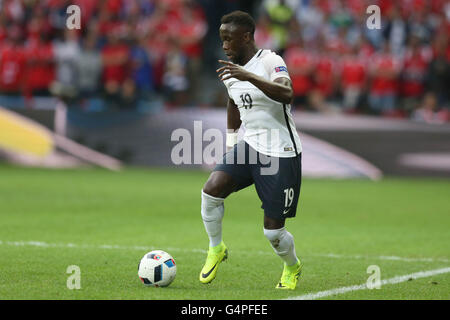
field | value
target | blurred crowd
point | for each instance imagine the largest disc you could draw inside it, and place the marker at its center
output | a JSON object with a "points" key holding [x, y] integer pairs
{"points": [[339, 64], [126, 50], [132, 50]]}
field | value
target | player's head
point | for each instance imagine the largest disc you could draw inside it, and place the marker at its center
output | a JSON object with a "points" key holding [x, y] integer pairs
{"points": [[237, 31]]}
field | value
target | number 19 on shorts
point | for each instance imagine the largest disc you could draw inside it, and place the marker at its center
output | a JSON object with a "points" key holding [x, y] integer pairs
{"points": [[288, 197]]}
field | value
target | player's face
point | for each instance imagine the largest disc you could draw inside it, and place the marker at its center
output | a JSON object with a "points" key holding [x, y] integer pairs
{"points": [[232, 41]]}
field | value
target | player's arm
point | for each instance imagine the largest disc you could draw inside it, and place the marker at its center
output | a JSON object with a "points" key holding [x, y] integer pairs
{"points": [[233, 117], [233, 123], [279, 90]]}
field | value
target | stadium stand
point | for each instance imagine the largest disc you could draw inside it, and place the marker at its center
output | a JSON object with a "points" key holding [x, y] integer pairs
{"points": [[139, 54]]}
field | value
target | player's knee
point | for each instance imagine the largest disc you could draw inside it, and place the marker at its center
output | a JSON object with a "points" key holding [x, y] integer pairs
{"points": [[212, 188], [270, 223], [218, 185]]}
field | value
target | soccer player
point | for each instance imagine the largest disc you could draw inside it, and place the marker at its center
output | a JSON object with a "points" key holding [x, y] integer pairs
{"points": [[260, 93]]}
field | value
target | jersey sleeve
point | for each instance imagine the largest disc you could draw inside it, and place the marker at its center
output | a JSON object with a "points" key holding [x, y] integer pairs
{"points": [[276, 67]]}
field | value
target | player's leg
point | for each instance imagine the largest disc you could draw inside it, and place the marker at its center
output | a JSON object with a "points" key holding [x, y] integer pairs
{"points": [[281, 240], [279, 193], [219, 185], [225, 179], [283, 244]]}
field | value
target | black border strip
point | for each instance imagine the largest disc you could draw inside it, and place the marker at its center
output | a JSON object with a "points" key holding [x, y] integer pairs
{"points": [[289, 129]]}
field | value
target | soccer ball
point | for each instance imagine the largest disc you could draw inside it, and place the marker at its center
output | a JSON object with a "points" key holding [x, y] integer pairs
{"points": [[157, 268]]}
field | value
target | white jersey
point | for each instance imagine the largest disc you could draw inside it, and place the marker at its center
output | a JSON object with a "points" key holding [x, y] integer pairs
{"points": [[269, 127]]}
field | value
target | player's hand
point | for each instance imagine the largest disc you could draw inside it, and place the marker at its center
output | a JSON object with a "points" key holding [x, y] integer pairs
{"points": [[231, 70]]}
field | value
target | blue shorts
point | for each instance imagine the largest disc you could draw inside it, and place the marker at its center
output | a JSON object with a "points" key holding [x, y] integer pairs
{"points": [[277, 180]]}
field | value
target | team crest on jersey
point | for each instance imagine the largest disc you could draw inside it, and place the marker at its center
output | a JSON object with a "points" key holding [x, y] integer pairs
{"points": [[281, 68]]}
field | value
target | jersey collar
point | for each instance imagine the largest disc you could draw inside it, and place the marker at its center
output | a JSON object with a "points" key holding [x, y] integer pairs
{"points": [[257, 54]]}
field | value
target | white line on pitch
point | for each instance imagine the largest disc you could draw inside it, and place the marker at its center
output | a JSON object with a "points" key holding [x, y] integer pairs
{"points": [[144, 248], [90, 246], [394, 280], [392, 258]]}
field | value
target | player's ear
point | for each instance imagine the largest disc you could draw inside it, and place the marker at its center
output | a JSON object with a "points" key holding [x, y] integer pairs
{"points": [[247, 37]]}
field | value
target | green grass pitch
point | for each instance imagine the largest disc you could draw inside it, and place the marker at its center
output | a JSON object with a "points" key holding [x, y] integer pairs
{"points": [[104, 222]]}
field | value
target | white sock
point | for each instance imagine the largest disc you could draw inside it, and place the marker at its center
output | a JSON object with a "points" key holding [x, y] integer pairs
{"points": [[282, 243], [212, 214]]}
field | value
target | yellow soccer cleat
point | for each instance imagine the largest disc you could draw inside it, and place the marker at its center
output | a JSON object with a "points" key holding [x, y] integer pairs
{"points": [[216, 255], [290, 275]]}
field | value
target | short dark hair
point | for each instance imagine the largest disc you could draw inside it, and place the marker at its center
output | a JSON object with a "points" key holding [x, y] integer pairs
{"points": [[240, 18]]}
